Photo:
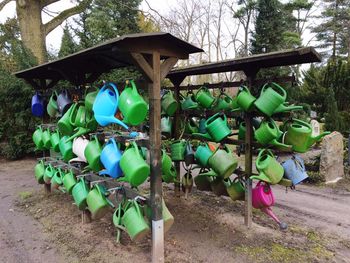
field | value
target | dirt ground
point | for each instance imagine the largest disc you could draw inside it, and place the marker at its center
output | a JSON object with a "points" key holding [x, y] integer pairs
{"points": [[35, 227]]}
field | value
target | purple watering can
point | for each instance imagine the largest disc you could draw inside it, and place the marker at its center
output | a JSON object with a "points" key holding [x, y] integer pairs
{"points": [[37, 105], [106, 104]]}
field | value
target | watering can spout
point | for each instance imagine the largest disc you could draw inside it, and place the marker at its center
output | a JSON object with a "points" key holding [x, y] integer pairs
{"points": [[312, 140], [284, 108], [105, 120], [203, 135], [81, 131], [281, 146], [261, 177]]}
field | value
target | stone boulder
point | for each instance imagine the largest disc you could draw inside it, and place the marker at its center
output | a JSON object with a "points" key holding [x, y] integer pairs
{"points": [[331, 160]]}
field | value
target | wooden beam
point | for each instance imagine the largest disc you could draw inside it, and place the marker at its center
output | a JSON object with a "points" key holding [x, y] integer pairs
{"points": [[166, 66], [155, 162], [143, 65]]}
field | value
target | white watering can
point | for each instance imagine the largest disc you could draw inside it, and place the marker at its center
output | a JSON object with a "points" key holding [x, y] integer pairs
{"points": [[79, 145]]}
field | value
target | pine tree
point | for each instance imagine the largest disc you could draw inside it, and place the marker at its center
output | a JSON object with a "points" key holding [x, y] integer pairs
{"points": [[332, 114], [68, 45]]}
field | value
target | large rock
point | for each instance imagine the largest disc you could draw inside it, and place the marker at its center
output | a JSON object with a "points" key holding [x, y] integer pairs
{"points": [[331, 161]]}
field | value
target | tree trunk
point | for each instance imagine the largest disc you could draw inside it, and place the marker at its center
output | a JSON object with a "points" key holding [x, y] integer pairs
{"points": [[32, 30]]}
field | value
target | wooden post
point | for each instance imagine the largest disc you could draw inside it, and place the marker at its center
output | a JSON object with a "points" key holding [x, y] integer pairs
{"points": [[47, 188], [85, 216], [155, 161], [176, 129]]}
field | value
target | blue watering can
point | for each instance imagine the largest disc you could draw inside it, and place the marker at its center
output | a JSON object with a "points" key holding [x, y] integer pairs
{"points": [[37, 105], [106, 104], [110, 157], [294, 169]]}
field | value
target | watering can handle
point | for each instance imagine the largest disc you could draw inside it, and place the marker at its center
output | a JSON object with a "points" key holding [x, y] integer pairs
{"points": [[280, 88], [266, 85], [112, 140], [302, 123], [241, 88], [268, 151], [299, 161], [114, 88], [71, 113]]}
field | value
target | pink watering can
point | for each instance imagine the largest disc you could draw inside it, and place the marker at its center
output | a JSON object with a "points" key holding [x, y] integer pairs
{"points": [[263, 199]]}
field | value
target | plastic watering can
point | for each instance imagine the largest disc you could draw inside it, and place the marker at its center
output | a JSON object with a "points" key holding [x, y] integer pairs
{"points": [[169, 104], [52, 107], [79, 145], [165, 124], [216, 127], [177, 150], [244, 99], [203, 180], [262, 196], [90, 99], [218, 186], [285, 107], [168, 218], [223, 102], [191, 126], [37, 105], [268, 211], [299, 135], [201, 126], [272, 96], [55, 141], [294, 169], [270, 170], [189, 154], [48, 174], [63, 102], [235, 189], [56, 180], [187, 183], [106, 105], [134, 167], [134, 222], [64, 125], [204, 98], [97, 202], [223, 162], [110, 158], [66, 148], [188, 102], [39, 171], [133, 107], [69, 181], [46, 139], [168, 170], [37, 138], [269, 133], [80, 192], [202, 154], [92, 154]]}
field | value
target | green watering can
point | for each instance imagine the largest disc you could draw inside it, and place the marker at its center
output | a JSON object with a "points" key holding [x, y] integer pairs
{"points": [[203, 180], [64, 125], [92, 154], [223, 162], [235, 189], [169, 104], [269, 133], [299, 135], [165, 124], [66, 148], [37, 139], [244, 99], [83, 119], [48, 174], [52, 108], [133, 107], [69, 181], [97, 202], [270, 171], [188, 102], [191, 126], [177, 150], [216, 127], [80, 192], [55, 141], [134, 222], [202, 154], [90, 99], [134, 167], [218, 186], [46, 139], [56, 180], [272, 100], [168, 170], [204, 98], [39, 171], [168, 218], [223, 102]]}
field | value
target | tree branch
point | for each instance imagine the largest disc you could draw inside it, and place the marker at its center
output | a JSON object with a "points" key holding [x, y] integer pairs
{"points": [[55, 22], [3, 3], [48, 2]]}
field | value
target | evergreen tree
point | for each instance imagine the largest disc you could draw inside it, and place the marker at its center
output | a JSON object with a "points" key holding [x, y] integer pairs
{"points": [[332, 115], [68, 45]]}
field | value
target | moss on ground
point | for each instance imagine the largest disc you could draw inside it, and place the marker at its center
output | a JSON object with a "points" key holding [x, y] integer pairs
{"points": [[25, 195]]}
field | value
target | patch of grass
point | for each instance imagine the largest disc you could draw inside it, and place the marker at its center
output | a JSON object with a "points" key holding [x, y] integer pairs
{"points": [[25, 195]]}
